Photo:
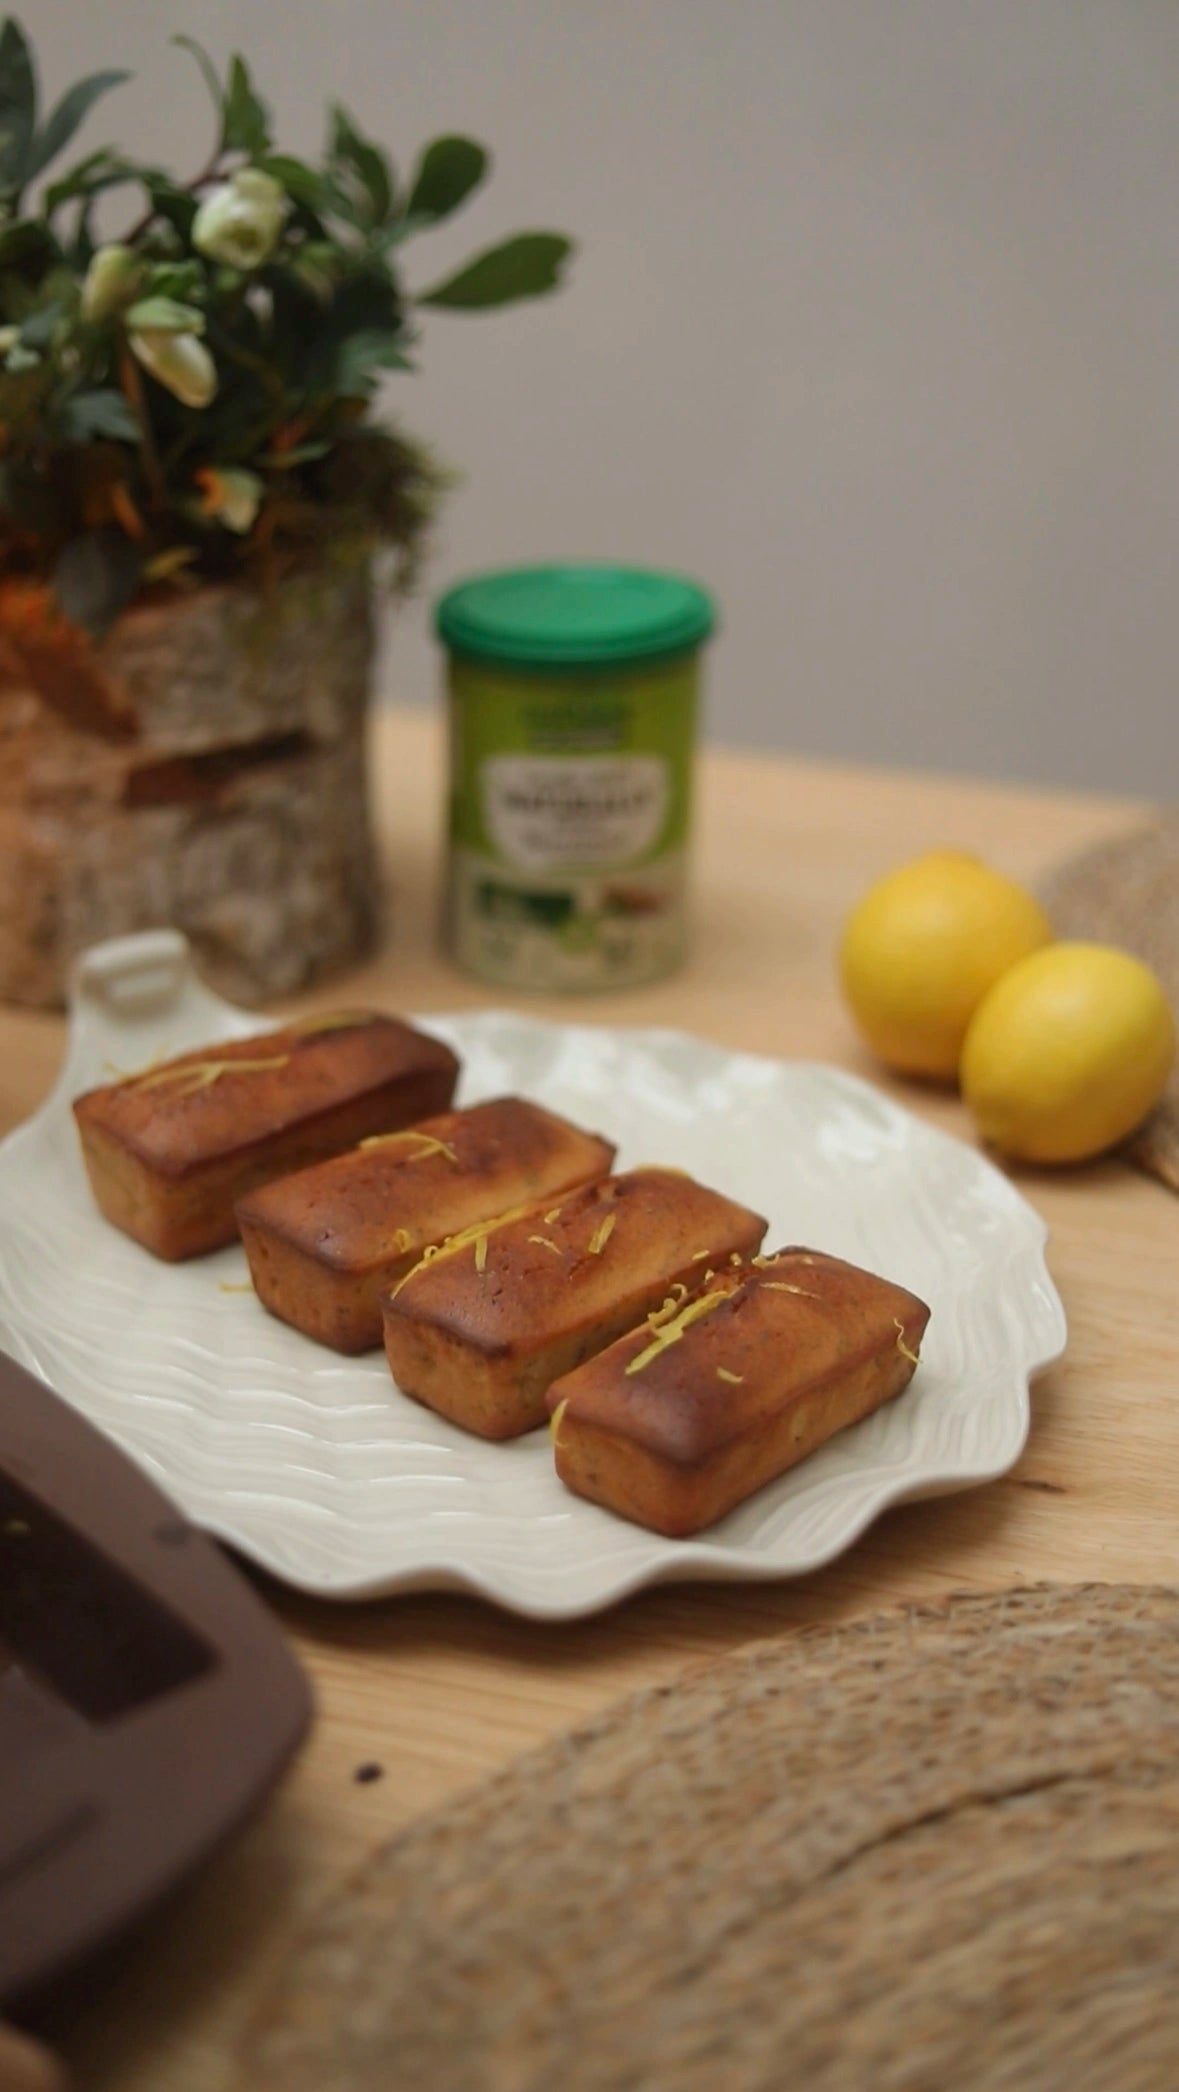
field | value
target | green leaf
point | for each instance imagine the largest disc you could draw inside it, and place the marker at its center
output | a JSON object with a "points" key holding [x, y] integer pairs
{"points": [[208, 69], [302, 183], [99, 170], [38, 329], [362, 357], [247, 123], [181, 280], [299, 454], [18, 106], [524, 267], [172, 203], [28, 245], [102, 415], [70, 112], [165, 316], [95, 578], [367, 163], [446, 174], [166, 565]]}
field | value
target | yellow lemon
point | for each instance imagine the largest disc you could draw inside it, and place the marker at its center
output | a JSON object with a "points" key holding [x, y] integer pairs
{"points": [[922, 948], [1068, 1053]]}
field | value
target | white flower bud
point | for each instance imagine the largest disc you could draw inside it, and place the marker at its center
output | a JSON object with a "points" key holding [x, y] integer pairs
{"points": [[181, 363], [111, 281], [240, 222]]}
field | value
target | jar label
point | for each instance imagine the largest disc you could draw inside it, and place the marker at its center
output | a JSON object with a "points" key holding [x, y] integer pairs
{"points": [[550, 810], [570, 810]]}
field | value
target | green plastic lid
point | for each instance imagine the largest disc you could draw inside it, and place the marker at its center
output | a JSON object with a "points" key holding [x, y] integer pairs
{"points": [[573, 616]]}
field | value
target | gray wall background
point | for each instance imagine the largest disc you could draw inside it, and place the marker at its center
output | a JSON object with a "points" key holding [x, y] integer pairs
{"points": [[874, 327]]}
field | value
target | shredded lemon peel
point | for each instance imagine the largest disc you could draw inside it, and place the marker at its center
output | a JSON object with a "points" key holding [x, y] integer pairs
{"points": [[546, 1242], [201, 1075], [602, 1234], [430, 1143], [733, 1379], [455, 1243], [902, 1347], [329, 1020], [671, 1332]]}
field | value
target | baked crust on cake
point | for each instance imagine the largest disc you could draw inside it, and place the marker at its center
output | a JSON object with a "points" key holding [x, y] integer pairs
{"points": [[478, 1330], [327, 1242], [679, 1421], [169, 1150]]}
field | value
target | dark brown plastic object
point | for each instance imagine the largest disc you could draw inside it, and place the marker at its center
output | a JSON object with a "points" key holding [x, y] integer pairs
{"points": [[147, 1701]]}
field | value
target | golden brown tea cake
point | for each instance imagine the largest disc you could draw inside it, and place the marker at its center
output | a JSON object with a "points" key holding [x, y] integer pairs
{"points": [[479, 1329], [717, 1395], [325, 1243], [168, 1151]]}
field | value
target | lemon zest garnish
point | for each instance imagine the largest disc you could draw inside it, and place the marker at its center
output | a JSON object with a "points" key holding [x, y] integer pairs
{"points": [[734, 1379], [546, 1242], [328, 1020], [463, 1240], [430, 1144], [480, 1252], [699, 1255], [601, 1235], [235, 1285], [658, 1316], [555, 1422], [671, 1332], [400, 1241], [902, 1347], [201, 1075], [779, 1285], [554, 1213]]}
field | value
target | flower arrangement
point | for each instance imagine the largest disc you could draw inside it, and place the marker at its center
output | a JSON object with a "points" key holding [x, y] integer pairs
{"points": [[193, 400]]}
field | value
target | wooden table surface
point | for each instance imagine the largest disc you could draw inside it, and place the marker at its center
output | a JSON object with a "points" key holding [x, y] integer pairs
{"points": [[439, 1690]]}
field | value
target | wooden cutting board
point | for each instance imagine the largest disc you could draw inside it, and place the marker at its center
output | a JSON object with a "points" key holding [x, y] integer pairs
{"points": [[1125, 891], [928, 1850]]}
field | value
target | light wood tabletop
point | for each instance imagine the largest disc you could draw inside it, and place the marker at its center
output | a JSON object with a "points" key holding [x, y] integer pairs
{"points": [[438, 1690]]}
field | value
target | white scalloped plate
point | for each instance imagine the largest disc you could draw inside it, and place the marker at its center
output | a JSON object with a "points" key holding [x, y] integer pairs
{"points": [[318, 1469]]}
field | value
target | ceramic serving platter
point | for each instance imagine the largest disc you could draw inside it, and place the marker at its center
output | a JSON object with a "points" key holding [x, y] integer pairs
{"points": [[317, 1468]]}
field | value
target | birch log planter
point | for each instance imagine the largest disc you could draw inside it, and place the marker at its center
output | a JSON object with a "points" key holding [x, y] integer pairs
{"points": [[202, 766]]}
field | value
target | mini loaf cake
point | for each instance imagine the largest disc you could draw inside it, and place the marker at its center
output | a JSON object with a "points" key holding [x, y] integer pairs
{"points": [[325, 1243], [717, 1394], [479, 1329], [168, 1151]]}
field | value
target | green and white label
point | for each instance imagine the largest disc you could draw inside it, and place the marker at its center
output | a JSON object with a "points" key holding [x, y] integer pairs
{"points": [[570, 812]]}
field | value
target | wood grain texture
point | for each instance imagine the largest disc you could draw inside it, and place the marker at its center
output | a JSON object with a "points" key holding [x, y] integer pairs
{"points": [[214, 779], [1124, 890], [440, 1690]]}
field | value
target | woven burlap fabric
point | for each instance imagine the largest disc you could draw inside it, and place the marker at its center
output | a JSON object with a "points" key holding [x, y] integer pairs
{"points": [[1126, 891], [935, 1851]]}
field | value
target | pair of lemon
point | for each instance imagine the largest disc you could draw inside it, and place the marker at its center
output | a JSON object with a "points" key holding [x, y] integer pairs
{"points": [[951, 971]]}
